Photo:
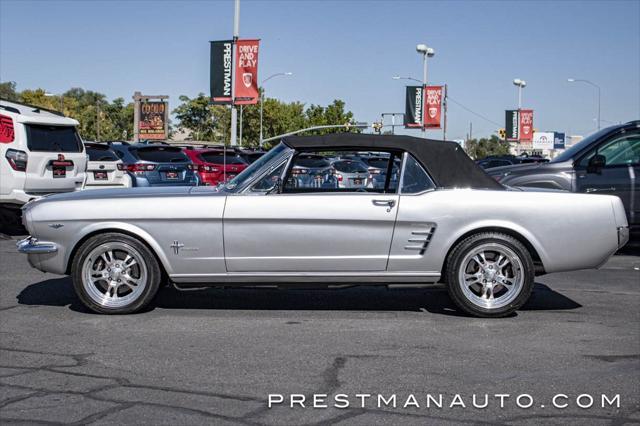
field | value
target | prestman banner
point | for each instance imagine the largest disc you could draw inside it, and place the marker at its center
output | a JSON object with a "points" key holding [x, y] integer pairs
{"points": [[512, 124], [246, 78], [413, 107], [220, 70]]}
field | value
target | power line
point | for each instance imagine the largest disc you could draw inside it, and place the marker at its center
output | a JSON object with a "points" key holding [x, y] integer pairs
{"points": [[473, 112]]}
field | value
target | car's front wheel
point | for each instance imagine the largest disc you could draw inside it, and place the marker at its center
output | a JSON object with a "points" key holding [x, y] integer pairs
{"points": [[490, 274], [115, 274]]}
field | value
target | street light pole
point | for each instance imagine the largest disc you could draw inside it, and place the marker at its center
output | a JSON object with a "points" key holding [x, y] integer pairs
{"points": [[234, 110], [574, 80], [426, 52], [262, 98], [521, 84]]}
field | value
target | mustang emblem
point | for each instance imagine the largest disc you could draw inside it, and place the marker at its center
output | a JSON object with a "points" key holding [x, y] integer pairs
{"points": [[55, 225], [177, 245]]}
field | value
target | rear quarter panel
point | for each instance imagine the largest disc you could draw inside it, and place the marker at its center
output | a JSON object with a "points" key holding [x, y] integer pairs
{"points": [[568, 231]]}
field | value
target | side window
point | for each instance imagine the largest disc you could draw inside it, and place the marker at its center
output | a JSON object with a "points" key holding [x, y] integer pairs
{"points": [[620, 151], [342, 171], [415, 179], [268, 182]]}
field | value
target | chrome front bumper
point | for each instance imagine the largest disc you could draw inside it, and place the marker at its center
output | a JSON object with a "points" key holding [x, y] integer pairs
{"points": [[31, 245]]}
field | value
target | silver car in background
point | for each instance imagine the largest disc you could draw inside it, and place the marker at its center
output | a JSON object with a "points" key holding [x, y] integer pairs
{"points": [[446, 221], [350, 173]]}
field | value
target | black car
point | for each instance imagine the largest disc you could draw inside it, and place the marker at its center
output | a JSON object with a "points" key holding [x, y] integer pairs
{"points": [[508, 160], [606, 162]]}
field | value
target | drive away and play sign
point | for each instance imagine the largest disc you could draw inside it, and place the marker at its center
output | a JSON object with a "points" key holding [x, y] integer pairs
{"points": [[239, 86]]}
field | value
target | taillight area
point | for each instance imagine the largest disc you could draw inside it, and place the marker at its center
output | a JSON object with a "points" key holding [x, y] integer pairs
{"points": [[137, 167], [17, 159], [339, 176], [204, 168]]}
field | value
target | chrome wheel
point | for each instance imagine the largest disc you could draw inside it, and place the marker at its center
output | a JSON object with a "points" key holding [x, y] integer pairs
{"points": [[114, 274], [491, 276]]}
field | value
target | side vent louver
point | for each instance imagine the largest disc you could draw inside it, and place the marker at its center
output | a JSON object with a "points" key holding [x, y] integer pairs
{"points": [[421, 237]]}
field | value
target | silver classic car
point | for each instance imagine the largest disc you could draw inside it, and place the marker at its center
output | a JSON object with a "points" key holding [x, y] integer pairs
{"points": [[444, 220]]}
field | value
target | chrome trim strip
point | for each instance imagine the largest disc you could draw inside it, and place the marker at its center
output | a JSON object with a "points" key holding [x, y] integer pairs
{"points": [[31, 245], [322, 277]]}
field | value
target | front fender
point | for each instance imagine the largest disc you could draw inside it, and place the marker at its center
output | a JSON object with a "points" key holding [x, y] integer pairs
{"points": [[114, 226]]}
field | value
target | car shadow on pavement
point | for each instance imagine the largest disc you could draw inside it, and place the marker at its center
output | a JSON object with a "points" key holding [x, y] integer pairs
{"points": [[60, 292]]}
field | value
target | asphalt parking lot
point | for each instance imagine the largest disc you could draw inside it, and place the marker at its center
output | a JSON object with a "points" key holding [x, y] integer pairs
{"points": [[214, 356]]}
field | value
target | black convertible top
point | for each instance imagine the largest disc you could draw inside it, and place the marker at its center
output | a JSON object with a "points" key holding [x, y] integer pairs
{"points": [[446, 162]]}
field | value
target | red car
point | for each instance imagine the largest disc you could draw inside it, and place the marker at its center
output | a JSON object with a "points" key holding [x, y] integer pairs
{"points": [[212, 166]]}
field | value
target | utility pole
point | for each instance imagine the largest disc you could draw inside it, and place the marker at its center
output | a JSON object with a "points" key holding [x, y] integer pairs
{"points": [[444, 124], [393, 120], [234, 110], [240, 138], [98, 120]]}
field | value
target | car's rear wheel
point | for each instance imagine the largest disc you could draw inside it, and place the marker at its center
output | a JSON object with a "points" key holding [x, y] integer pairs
{"points": [[490, 274], [115, 274]]}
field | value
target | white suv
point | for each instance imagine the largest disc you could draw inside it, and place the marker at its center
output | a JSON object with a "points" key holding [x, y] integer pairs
{"points": [[40, 153]]}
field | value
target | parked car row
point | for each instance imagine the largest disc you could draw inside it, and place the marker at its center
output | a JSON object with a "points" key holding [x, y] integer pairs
{"points": [[42, 153]]}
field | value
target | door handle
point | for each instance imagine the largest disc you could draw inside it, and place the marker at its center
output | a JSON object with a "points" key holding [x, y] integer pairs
{"points": [[610, 189], [388, 203]]}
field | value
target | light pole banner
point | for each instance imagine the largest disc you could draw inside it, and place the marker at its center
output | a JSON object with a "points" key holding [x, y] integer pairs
{"points": [[526, 125], [433, 107], [511, 124], [413, 107], [543, 140], [220, 71], [246, 81]]}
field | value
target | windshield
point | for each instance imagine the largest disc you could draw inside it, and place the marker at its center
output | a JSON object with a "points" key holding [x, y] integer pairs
{"points": [[314, 161], [50, 138], [256, 167], [100, 153], [350, 166], [218, 158], [571, 152], [161, 155]]}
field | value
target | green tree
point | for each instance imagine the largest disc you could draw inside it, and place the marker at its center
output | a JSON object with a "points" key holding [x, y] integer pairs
{"points": [[199, 117], [483, 147], [8, 91]]}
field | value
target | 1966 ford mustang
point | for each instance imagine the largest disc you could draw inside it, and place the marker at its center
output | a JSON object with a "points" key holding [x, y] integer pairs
{"points": [[437, 218]]}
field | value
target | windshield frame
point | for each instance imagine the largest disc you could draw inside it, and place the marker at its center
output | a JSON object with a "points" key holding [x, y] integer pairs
{"points": [[255, 170]]}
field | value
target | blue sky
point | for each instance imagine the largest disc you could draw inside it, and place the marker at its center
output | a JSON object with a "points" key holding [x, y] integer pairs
{"points": [[347, 50]]}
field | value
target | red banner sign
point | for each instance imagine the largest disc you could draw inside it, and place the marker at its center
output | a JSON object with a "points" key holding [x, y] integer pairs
{"points": [[433, 107], [526, 125], [246, 81]]}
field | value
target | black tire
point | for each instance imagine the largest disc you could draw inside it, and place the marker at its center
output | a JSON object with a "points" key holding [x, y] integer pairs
{"points": [[151, 283], [454, 265]]}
